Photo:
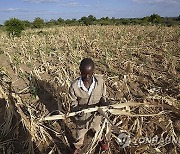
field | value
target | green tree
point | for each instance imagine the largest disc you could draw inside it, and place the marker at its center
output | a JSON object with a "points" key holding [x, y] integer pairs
{"points": [[27, 23], [88, 20], [105, 21], [156, 19], [91, 18], [84, 20], [60, 21], [145, 21], [113, 20], [52, 22], [178, 18], [14, 27], [70, 22], [38, 23], [125, 21]]}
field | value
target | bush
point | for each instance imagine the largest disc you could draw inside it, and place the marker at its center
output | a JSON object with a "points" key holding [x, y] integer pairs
{"points": [[14, 27], [38, 23], [27, 24], [155, 19]]}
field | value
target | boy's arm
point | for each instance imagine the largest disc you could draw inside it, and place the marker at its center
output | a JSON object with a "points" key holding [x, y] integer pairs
{"points": [[73, 99], [74, 103], [103, 100]]}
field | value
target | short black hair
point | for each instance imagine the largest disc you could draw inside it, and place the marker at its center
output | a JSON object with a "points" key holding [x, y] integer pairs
{"points": [[86, 62]]}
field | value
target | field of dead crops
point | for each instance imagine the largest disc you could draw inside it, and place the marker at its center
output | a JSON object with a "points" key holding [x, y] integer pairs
{"points": [[141, 67]]}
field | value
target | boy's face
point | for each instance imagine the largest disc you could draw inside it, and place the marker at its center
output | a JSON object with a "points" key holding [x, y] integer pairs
{"points": [[86, 73]]}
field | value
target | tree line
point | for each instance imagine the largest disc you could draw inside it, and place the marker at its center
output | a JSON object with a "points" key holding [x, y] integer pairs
{"points": [[14, 26]]}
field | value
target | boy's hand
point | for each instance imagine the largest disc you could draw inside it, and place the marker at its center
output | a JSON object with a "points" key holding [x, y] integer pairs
{"points": [[102, 102], [80, 114]]}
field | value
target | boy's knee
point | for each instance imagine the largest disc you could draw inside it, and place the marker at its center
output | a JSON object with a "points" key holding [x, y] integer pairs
{"points": [[97, 127], [81, 133]]}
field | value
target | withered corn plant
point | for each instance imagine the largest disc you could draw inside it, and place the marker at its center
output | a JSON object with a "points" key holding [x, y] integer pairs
{"points": [[141, 67]]}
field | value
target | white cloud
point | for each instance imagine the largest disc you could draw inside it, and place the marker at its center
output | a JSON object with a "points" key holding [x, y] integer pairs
{"points": [[73, 4], [41, 1], [13, 9], [157, 1], [24, 11]]}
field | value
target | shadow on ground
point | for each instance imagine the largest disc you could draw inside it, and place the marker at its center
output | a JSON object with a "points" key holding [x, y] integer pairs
{"points": [[13, 135], [46, 94]]}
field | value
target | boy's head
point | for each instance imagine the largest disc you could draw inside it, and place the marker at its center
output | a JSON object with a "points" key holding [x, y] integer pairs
{"points": [[87, 69]]}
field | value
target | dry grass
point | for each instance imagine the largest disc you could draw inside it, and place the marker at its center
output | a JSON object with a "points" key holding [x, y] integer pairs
{"points": [[140, 65]]}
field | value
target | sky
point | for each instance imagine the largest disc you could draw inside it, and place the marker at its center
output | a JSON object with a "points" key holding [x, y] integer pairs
{"points": [[69, 9]]}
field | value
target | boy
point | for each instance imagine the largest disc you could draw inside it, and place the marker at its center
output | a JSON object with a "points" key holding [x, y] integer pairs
{"points": [[87, 91]]}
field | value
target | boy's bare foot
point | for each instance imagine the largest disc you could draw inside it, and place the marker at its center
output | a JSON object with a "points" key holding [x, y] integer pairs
{"points": [[76, 151], [103, 145]]}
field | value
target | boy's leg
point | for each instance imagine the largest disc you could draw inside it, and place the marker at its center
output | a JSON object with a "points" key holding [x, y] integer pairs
{"points": [[80, 138], [96, 125]]}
